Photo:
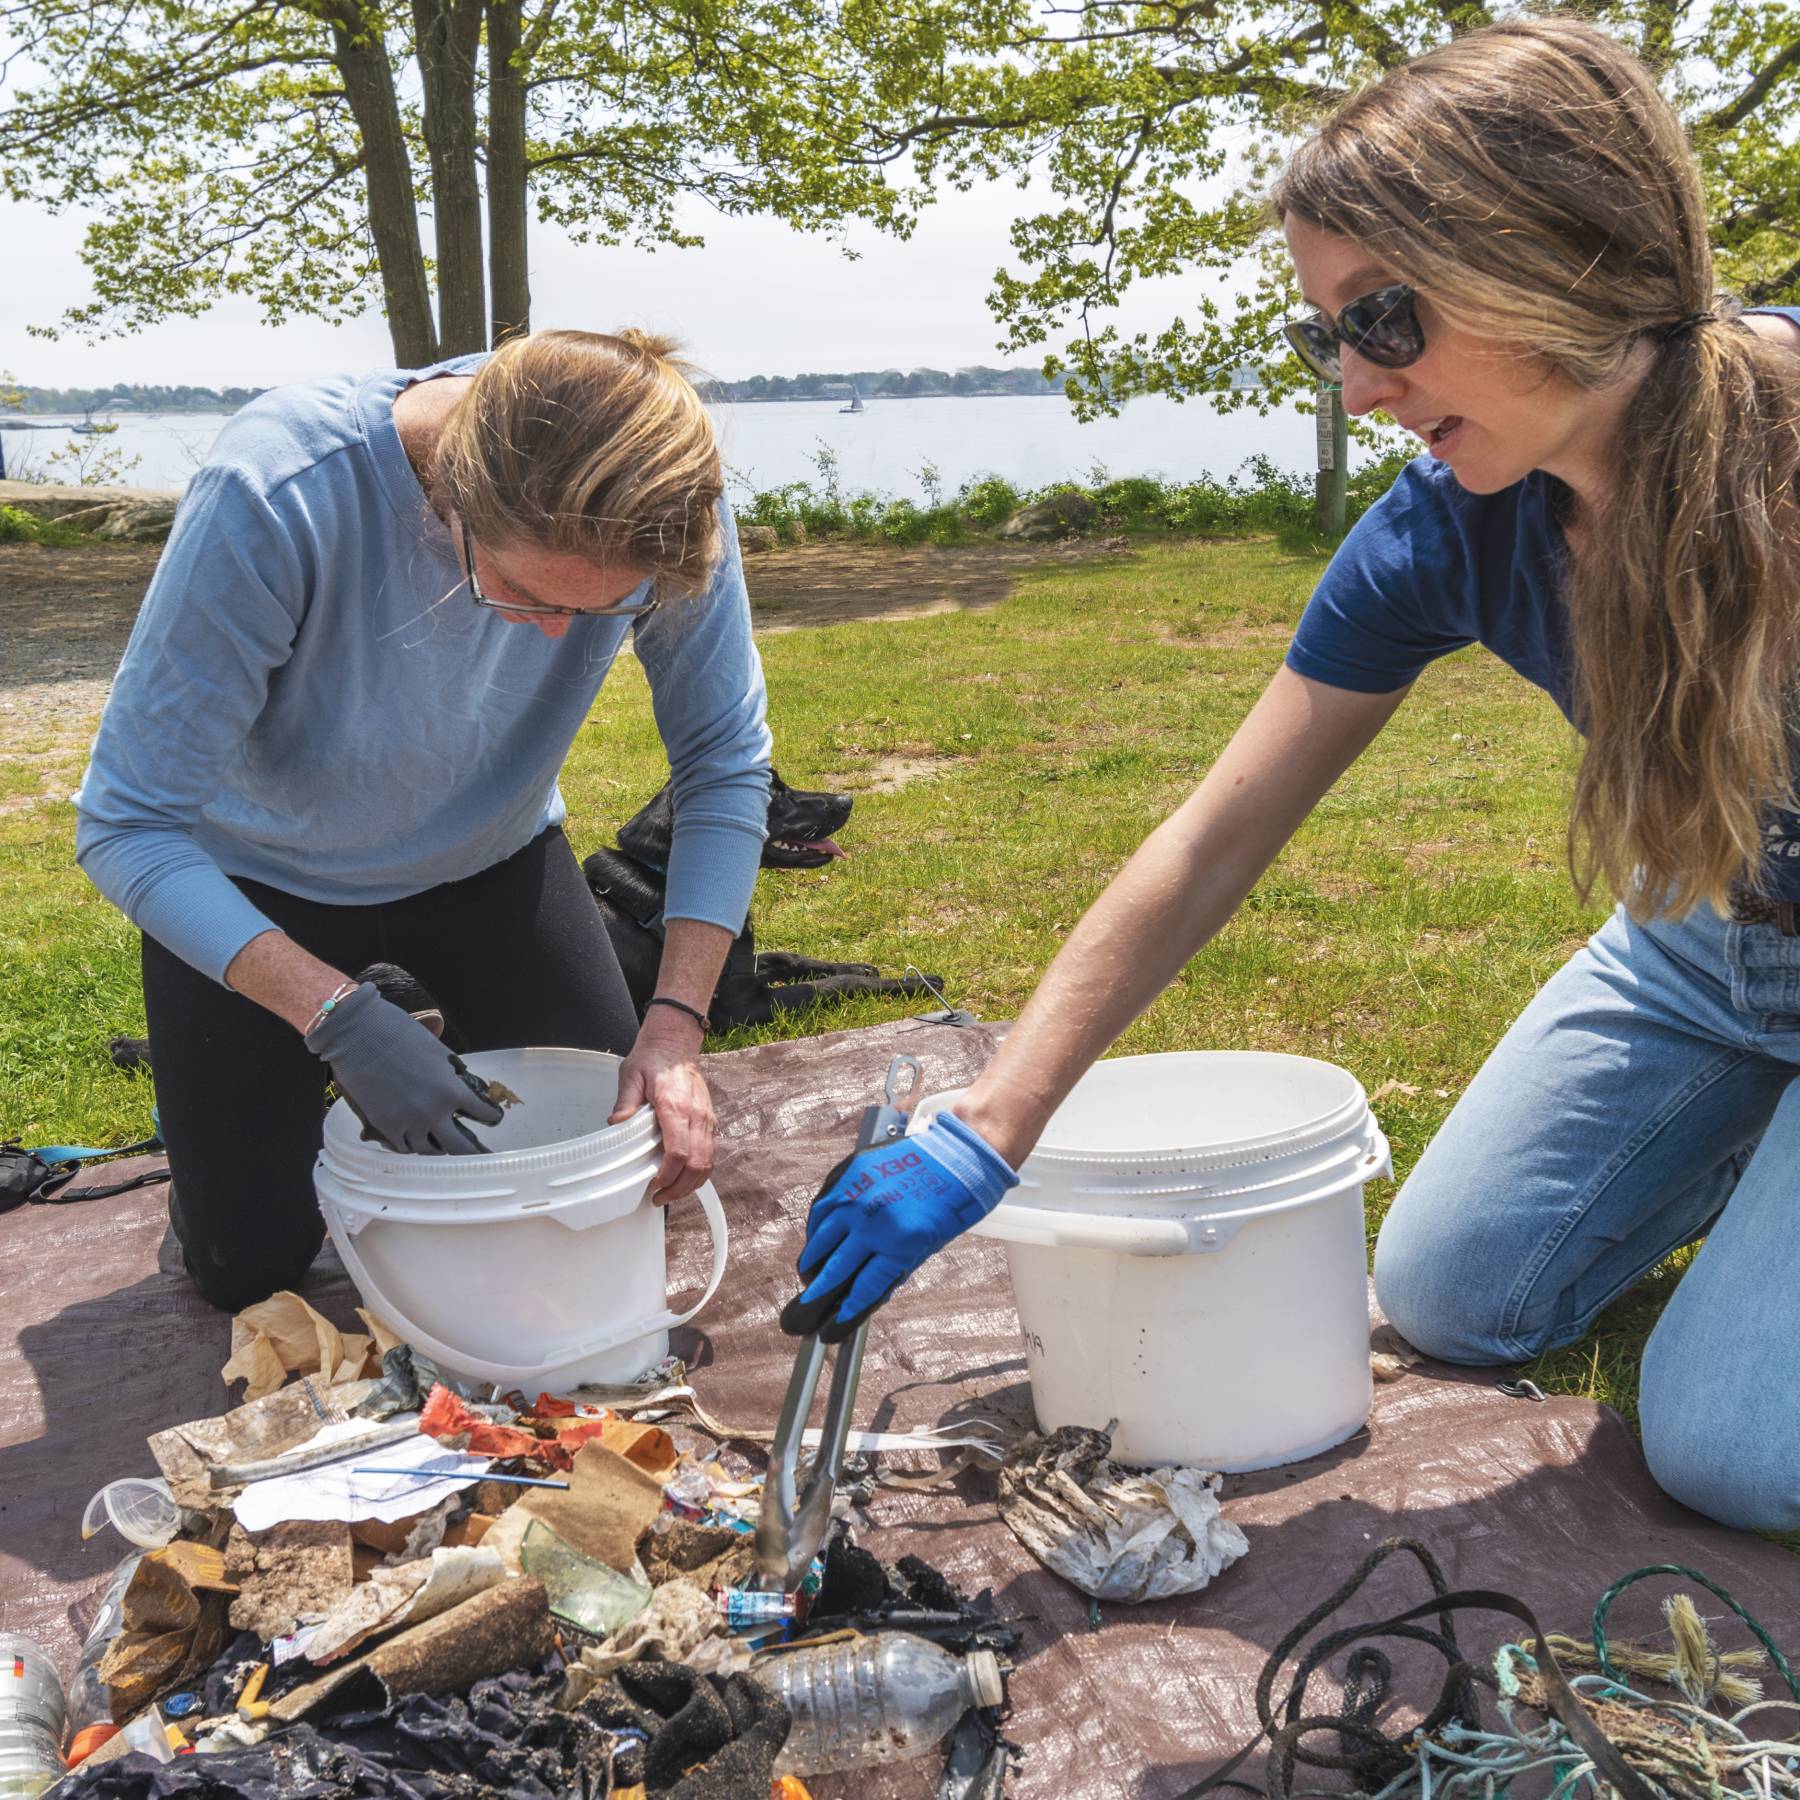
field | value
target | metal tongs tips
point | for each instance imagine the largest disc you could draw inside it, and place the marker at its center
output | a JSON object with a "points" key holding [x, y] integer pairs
{"points": [[795, 1519]]}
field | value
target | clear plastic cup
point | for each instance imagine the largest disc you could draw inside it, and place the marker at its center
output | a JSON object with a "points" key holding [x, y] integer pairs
{"points": [[139, 1508]]}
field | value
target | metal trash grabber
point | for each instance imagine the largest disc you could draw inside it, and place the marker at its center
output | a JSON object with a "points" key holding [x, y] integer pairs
{"points": [[794, 1521]]}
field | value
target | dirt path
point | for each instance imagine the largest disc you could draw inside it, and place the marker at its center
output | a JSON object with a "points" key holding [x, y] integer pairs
{"points": [[64, 619], [65, 616]]}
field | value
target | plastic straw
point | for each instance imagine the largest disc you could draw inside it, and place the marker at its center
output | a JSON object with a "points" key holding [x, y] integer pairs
{"points": [[463, 1475]]}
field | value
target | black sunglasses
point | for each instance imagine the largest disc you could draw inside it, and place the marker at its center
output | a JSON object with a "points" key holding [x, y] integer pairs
{"points": [[1382, 327], [642, 610]]}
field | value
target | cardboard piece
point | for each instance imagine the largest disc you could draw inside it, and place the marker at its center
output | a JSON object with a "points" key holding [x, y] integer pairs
{"points": [[199, 1565], [649, 1446], [298, 1571], [608, 1504], [168, 1631], [507, 1627]]}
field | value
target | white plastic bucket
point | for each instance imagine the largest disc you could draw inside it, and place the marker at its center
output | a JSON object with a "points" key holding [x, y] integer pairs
{"points": [[541, 1261], [1187, 1251]]}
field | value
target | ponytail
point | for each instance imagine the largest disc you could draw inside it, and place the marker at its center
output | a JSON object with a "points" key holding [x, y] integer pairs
{"points": [[1684, 603]]}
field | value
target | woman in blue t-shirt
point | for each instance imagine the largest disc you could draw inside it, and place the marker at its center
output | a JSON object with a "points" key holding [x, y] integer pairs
{"points": [[1506, 244]]}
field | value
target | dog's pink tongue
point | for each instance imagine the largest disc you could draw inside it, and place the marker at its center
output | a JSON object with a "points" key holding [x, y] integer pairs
{"points": [[830, 846]]}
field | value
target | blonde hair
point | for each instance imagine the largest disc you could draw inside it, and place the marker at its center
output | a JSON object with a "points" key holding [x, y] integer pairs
{"points": [[1531, 180], [589, 443]]}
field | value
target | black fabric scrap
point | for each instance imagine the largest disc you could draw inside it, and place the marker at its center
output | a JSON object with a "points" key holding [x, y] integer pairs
{"points": [[507, 1737], [707, 1737]]}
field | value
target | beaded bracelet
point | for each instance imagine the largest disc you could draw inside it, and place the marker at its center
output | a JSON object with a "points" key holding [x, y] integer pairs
{"points": [[682, 1006], [342, 992]]}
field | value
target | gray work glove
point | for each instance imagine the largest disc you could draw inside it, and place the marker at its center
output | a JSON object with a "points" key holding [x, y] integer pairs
{"points": [[399, 1080]]}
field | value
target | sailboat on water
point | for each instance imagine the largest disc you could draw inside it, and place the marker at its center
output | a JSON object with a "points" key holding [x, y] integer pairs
{"points": [[856, 402]]}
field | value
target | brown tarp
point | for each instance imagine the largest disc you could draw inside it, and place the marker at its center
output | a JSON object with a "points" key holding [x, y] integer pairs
{"points": [[105, 1341]]}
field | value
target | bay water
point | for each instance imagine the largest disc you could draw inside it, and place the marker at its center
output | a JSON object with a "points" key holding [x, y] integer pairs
{"points": [[896, 448]]}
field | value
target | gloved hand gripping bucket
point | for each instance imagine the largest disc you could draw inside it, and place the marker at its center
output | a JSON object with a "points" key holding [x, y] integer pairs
{"points": [[1188, 1255], [541, 1262]]}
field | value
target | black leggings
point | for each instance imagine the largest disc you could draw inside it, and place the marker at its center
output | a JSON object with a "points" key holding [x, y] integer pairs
{"points": [[516, 955]]}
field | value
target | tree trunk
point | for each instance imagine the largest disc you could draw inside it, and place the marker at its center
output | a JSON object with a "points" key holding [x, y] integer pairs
{"points": [[449, 33], [360, 53], [508, 271]]}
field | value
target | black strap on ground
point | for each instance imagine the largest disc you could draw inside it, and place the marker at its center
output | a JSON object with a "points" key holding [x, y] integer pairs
{"points": [[1368, 1754], [68, 1196]]}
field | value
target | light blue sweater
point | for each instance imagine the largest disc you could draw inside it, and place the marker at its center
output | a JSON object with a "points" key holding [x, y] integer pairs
{"points": [[310, 699]]}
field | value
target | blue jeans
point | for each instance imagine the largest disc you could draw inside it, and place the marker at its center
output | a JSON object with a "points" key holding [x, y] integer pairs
{"points": [[1644, 1099]]}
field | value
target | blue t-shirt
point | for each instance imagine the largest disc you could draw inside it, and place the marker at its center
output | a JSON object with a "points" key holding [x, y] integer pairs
{"points": [[1432, 568], [309, 698]]}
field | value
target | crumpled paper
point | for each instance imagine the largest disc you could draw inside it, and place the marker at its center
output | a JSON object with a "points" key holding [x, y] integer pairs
{"points": [[335, 1491], [1115, 1535], [283, 1336], [680, 1617]]}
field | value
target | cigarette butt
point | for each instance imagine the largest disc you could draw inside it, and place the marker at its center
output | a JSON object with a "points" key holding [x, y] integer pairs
{"points": [[254, 1709]]}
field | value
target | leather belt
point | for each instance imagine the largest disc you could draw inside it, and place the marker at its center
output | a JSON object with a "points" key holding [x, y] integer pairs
{"points": [[1749, 908]]}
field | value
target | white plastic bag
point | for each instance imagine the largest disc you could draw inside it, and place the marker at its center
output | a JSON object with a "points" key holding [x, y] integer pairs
{"points": [[1114, 1534]]}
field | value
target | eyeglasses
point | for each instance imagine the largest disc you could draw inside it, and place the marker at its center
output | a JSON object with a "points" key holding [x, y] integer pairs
{"points": [[528, 611], [1382, 327]]}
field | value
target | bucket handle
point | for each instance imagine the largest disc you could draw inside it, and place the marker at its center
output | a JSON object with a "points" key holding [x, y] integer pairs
{"points": [[505, 1374]]}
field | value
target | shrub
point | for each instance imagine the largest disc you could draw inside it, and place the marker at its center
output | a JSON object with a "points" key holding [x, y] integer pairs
{"points": [[19, 526], [989, 501], [1260, 500]]}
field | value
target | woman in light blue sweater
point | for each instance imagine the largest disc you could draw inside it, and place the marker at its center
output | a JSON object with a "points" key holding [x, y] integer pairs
{"points": [[385, 610]]}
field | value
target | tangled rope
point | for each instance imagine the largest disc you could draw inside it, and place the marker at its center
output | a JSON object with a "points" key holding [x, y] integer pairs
{"points": [[1590, 1737]]}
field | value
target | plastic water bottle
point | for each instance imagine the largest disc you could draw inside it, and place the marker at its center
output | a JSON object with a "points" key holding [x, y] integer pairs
{"points": [[880, 1699], [31, 1719], [89, 1702]]}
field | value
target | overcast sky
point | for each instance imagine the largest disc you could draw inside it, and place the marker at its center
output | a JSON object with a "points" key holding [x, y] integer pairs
{"points": [[758, 299]]}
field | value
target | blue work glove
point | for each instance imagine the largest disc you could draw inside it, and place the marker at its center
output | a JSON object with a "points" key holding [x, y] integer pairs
{"points": [[882, 1212], [405, 1086]]}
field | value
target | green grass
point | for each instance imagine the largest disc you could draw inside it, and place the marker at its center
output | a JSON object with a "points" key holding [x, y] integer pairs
{"points": [[1400, 933]]}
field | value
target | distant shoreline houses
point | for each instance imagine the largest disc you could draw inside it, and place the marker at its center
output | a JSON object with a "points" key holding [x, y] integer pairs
{"points": [[125, 398], [869, 384]]}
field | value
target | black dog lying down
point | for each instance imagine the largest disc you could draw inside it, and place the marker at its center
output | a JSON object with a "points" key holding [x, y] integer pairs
{"points": [[628, 884]]}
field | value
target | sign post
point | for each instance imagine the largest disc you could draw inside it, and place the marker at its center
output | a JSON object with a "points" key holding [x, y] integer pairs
{"points": [[1330, 483]]}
